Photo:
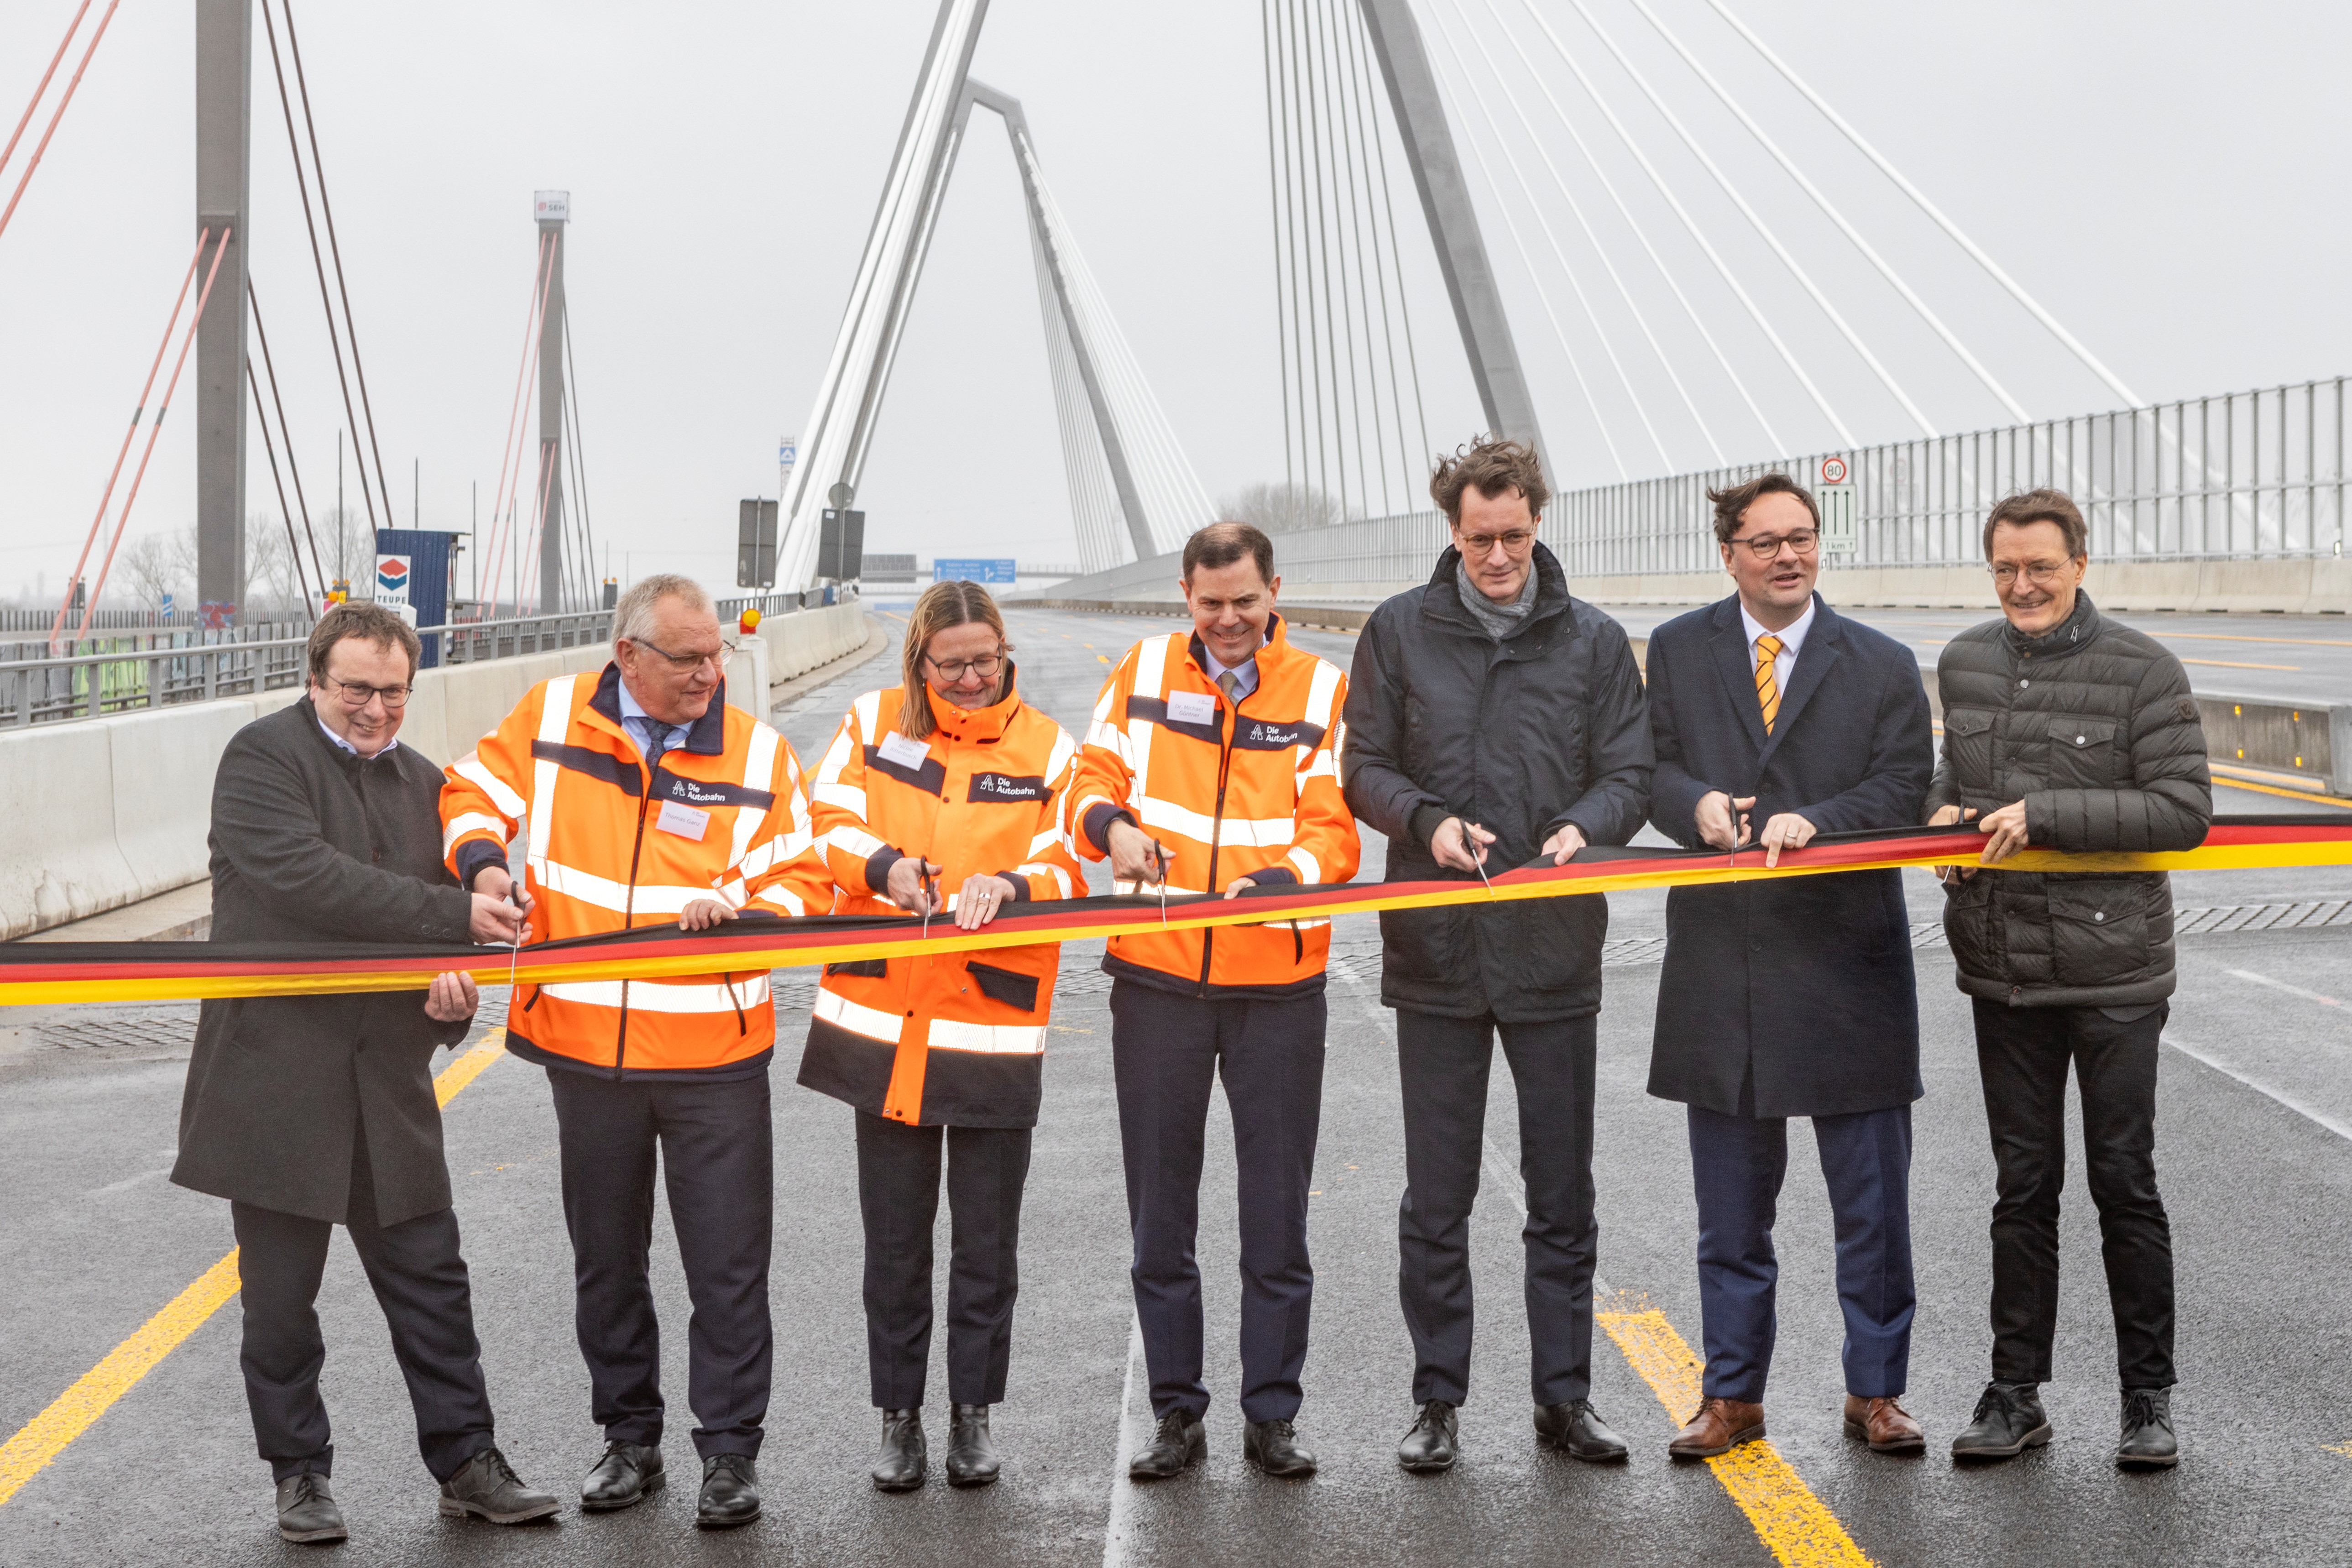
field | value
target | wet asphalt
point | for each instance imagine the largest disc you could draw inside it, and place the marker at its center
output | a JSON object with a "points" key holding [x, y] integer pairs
{"points": [[2255, 1159]]}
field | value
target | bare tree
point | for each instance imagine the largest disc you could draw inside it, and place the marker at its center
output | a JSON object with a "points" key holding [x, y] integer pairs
{"points": [[1282, 508], [154, 567]]}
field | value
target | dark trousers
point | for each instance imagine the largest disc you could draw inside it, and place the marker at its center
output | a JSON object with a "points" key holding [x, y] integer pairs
{"points": [[1166, 1051], [1442, 1065], [420, 1282], [898, 1194], [2023, 1054], [716, 1156], [1736, 1165]]}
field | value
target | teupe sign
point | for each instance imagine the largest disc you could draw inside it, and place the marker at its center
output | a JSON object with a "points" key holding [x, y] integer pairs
{"points": [[391, 575]]}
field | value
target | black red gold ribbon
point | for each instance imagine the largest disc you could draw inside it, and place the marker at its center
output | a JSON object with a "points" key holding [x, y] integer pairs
{"points": [[158, 972]]}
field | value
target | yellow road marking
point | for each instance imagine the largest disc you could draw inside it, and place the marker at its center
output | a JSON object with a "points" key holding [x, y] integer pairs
{"points": [[2231, 778], [2235, 663], [72, 1413], [2227, 636], [1789, 1519]]}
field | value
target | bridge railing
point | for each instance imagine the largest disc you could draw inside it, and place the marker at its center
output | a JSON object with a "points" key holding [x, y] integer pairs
{"points": [[2244, 474], [93, 685]]}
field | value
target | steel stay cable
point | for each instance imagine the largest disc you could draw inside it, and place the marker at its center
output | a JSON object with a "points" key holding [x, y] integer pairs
{"points": [[1919, 198], [1302, 113], [1829, 209], [1756, 219], [1396, 255], [1493, 129], [1665, 273], [1593, 238], [122, 518], [34, 102], [59, 113], [1351, 130], [269, 368], [1690, 224], [579, 462], [179, 303], [1274, 198], [1519, 243], [508, 453], [1343, 159], [1368, 134], [286, 512], [334, 247], [318, 264], [1323, 248]]}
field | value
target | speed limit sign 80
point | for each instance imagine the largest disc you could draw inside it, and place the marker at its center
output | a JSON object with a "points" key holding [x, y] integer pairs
{"points": [[1833, 470]]}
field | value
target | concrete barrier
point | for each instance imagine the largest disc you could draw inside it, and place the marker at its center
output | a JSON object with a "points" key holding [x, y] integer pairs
{"points": [[110, 811]]}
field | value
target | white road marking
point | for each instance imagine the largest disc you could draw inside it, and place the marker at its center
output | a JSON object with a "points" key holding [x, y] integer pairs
{"points": [[1122, 1489], [2282, 985], [2290, 1101]]}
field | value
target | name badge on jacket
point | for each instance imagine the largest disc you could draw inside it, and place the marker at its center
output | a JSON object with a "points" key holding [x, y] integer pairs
{"points": [[1191, 708], [686, 821], [903, 751]]}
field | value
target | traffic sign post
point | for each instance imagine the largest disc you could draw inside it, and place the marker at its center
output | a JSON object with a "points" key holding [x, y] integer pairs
{"points": [[1839, 533], [999, 570]]}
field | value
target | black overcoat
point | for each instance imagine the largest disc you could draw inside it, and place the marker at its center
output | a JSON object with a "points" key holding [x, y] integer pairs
{"points": [[310, 843], [1544, 729], [1798, 991]]}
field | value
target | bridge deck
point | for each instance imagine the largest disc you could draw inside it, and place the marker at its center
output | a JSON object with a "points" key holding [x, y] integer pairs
{"points": [[2259, 1191]]}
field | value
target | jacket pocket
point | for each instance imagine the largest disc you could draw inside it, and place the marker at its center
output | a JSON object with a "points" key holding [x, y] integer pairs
{"points": [[1427, 947], [2099, 932], [1968, 746], [865, 968], [1968, 926], [2082, 751], [1008, 986]]}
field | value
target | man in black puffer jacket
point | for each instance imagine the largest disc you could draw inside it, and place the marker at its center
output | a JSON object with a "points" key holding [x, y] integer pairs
{"points": [[1491, 719], [2065, 730]]}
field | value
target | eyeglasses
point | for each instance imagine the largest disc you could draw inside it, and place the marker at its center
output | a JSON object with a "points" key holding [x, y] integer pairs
{"points": [[355, 696], [1513, 542], [1803, 540], [2041, 573], [688, 663], [985, 666]]}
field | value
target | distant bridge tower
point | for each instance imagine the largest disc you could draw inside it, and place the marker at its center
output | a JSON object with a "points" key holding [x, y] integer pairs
{"points": [[554, 212], [224, 137]]}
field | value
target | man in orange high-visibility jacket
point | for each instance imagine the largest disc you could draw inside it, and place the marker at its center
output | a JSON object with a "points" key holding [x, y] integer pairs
{"points": [[1210, 768], [641, 797]]}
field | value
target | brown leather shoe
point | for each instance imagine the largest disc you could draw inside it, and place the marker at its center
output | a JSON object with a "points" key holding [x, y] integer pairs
{"points": [[1884, 1425], [1721, 1426]]}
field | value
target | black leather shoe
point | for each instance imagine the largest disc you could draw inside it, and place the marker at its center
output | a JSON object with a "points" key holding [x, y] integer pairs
{"points": [[489, 1488], [1274, 1447], [904, 1457], [1576, 1430], [1434, 1440], [1177, 1442], [306, 1514], [2148, 1442], [972, 1455], [2009, 1420], [624, 1477], [731, 1492]]}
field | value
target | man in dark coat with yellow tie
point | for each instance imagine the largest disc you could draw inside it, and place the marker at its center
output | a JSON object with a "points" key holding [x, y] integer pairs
{"points": [[1775, 719]]}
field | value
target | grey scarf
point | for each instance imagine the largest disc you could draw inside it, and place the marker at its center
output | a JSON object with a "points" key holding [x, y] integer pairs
{"points": [[1499, 620]]}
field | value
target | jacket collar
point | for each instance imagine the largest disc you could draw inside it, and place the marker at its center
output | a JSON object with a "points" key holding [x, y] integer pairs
{"points": [[1823, 647], [1442, 600], [707, 736], [976, 726], [2075, 632], [350, 762], [1275, 649]]}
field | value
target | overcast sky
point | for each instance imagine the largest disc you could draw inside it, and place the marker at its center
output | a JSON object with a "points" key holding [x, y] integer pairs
{"points": [[2165, 180]]}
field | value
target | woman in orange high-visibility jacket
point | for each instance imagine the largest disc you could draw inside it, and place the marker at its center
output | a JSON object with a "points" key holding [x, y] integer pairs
{"points": [[1211, 766], [944, 797]]}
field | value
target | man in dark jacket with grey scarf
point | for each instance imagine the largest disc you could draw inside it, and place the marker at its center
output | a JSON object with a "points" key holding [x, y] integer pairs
{"points": [[2065, 730], [1493, 718], [307, 1112]]}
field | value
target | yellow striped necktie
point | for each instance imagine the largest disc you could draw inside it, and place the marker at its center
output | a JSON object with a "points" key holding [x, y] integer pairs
{"points": [[1768, 691]]}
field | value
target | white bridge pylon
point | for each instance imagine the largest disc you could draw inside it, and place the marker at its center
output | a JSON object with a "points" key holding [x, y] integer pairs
{"points": [[1133, 492]]}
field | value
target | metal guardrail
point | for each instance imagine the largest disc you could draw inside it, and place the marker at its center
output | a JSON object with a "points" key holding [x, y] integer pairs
{"points": [[93, 685], [730, 610]]}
